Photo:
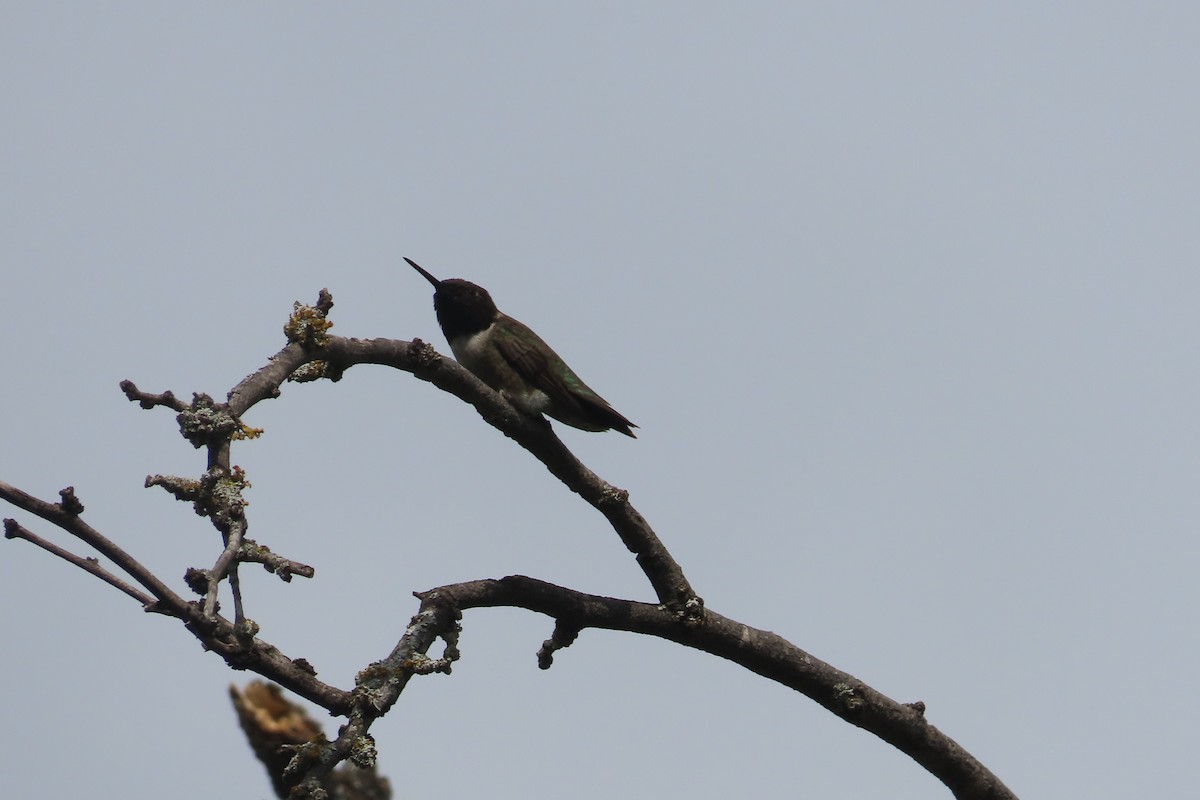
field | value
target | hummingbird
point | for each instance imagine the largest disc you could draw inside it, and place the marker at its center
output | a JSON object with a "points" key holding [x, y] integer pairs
{"points": [[513, 360]]}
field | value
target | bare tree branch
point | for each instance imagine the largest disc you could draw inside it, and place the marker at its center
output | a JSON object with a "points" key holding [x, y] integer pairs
{"points": [[216, 633], [253, 552], [12, 530], [763, 652], [71, 523], [679, 616], [536, 436], [147, 400]]}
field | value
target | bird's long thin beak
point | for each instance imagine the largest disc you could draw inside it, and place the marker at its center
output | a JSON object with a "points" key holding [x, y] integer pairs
{"points": [[418, 268]]}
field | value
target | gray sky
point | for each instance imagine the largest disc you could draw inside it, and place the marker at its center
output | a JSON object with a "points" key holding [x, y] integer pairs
{"points": [[903, 297]]}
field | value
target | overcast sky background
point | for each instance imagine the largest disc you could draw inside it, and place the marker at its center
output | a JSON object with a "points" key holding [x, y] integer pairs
{"points": [[903, 297]]}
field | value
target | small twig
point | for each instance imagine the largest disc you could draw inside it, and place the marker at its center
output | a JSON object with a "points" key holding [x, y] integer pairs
{"points": [[13, 530], [147, 400], [564, 635], [285, 568], [226, 567], [69, 502], [74, 525], [235, 589]]}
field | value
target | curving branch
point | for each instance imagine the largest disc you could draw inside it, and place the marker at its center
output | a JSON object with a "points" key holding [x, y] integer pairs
{"points": [[336, 354], [902, 725], [678, 616]]}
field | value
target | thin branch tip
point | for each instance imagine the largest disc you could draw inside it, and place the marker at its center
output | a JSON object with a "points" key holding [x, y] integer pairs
{"points": [[564, 635], [70, 503], [148, 400]]}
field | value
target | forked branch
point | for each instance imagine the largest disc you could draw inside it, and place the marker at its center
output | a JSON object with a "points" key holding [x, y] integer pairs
{"points": [[678, 616]]}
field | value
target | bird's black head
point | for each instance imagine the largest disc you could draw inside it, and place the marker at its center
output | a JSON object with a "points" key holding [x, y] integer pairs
{"points": [[462, 307]]}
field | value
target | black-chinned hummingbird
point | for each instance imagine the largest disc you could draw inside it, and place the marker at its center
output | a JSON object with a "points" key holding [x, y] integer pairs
{"points": [[513, 360]]}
